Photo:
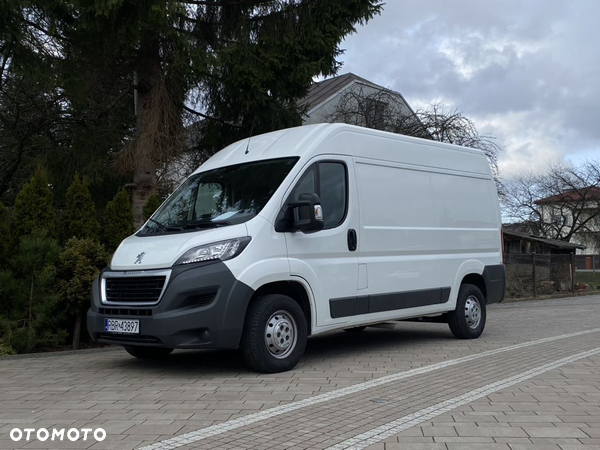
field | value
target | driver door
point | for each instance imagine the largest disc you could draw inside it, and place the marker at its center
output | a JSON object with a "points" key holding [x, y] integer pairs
{"points": [[328, 259]]}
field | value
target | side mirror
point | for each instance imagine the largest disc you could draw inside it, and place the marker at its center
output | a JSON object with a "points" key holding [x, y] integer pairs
{"points": [[305, 215]]}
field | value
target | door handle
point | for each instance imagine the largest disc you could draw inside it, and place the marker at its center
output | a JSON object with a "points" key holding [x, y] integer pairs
{"points": [[352, 239]]}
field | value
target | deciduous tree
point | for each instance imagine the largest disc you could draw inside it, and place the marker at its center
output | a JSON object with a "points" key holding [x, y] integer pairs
{"points": [[562, 203], [385, 110]]}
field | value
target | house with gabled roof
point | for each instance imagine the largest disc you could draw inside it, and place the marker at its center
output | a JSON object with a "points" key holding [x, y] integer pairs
{"points": [[575, 212], [324, 97]]}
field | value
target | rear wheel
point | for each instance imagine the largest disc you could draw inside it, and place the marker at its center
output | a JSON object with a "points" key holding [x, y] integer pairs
{"points": [[467, 321], [149, 352], [275, 334]]}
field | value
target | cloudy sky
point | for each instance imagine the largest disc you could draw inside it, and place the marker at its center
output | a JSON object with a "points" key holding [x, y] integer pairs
{"points": [[526, 71]]}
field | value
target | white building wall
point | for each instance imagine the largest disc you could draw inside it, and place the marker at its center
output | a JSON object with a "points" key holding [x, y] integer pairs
{"points": [[320, 113]]}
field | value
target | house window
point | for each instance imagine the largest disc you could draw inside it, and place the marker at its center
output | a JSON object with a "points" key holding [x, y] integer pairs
{"points": [[375, 113], [559, 220]]}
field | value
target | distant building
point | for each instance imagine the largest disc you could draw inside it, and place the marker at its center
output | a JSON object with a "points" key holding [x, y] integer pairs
{"points": [[523, 243], [324, 96], [579, 205]]}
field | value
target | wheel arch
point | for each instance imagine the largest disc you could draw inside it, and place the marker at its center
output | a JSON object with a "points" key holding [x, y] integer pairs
{"points": [[293, 289], [476, 280]]}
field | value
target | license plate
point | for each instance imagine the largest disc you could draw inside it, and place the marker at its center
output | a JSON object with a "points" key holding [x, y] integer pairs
{"points": [[122, 326]]}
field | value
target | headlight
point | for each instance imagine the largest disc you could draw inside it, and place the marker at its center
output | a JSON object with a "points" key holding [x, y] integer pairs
{"points": [[222, 250]]}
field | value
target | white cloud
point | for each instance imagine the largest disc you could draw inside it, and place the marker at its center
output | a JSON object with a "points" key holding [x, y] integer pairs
{"points": [[526, 72]]}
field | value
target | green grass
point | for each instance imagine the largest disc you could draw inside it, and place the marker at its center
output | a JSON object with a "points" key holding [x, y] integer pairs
{"points": [[593, 279]]}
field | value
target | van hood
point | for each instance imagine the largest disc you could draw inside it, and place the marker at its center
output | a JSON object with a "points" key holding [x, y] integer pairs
{"points": [[162, 251]]}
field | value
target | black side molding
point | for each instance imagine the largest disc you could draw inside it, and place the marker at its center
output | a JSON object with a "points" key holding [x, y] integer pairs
{"points": [[364, 304], [495, 282]]}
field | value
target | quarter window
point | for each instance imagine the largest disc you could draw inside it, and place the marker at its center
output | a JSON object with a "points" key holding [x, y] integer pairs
{"points": [[329, 181]]}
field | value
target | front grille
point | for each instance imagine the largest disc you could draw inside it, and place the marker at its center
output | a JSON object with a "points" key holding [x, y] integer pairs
{"points": [[134, 289], [125, 312]]}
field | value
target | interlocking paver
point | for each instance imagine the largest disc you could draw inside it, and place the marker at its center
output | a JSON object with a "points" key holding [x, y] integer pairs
{"points": [[145, 401]]}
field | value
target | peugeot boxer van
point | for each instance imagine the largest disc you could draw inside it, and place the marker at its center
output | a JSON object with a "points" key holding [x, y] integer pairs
{"points": [[302, 231]]}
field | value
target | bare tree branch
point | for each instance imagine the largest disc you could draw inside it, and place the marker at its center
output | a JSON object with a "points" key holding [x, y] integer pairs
{"points": [[386, 110], [563, 203]]}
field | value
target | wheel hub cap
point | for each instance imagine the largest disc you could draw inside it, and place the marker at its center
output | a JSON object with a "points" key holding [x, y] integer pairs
{"points": [[280, 334], [472, 312]]}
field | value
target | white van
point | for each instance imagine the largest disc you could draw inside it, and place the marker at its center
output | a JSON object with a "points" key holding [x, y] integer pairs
{"points": [[302, 231]]}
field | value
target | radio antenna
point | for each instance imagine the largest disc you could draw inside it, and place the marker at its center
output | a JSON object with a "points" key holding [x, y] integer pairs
{"points": [[250, 137]]}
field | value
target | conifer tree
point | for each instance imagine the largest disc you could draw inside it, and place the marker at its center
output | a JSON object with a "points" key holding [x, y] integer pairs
{"points": [[79, 219], [33, 207], [151, 205], [244, 63], [27, 296], [118, 220], [4, 236], [78, 265]]}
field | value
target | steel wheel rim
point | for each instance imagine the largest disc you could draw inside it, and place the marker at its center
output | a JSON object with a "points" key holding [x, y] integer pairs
{"points": [[472, 312], [281, 334]]}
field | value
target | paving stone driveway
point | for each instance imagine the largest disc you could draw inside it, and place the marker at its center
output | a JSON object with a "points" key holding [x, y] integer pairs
{"points": [[140, 403]]}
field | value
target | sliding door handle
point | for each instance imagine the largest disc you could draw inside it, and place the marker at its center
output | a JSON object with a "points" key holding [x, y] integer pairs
{"points": [[352, 240]]}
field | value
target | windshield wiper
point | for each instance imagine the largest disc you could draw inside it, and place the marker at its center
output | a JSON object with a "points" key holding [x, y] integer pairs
{"points": [[164, 227], [220, 223]]}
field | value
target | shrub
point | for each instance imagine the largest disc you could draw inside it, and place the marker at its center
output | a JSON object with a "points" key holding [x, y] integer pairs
{"points": [[118, 220], [78, 265], [27, 299], [33, 207], [6, 349], [79, 219], [151, 205]]}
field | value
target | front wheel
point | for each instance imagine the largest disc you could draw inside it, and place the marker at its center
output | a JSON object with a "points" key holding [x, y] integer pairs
{"points": [[467, 321], [149, 352], [275, 334]]}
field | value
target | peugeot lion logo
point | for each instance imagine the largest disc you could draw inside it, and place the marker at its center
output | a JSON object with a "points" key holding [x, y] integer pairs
{"points": [[139, 258]]}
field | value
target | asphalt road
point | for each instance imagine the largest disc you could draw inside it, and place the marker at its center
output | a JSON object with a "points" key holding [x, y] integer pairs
{"points": [[532, 381]]}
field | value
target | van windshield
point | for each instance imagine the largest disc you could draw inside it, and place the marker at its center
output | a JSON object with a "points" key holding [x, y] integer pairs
{"points": [[220, 197]]}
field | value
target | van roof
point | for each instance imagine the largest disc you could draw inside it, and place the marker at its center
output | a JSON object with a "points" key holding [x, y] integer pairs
{"points": [[302, 142]]}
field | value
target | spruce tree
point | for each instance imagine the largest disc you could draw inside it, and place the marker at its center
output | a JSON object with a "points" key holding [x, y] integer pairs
{"points": [[32, 318], [4, 236], [33, 207], [151, 205], [118, 220], [79, 219], [247, 62]]}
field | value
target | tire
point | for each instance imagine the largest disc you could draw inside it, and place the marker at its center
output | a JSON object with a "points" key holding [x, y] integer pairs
{"points": [[355, 329], [282, 349], [149, 352], [467, 321]]}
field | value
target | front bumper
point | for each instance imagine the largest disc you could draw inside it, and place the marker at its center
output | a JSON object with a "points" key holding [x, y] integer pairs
{"points": [[203, 306]]}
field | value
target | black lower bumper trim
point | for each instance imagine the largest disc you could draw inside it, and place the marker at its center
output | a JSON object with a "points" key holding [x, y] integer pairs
{"points": [[203, 306], [127, 339]]}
